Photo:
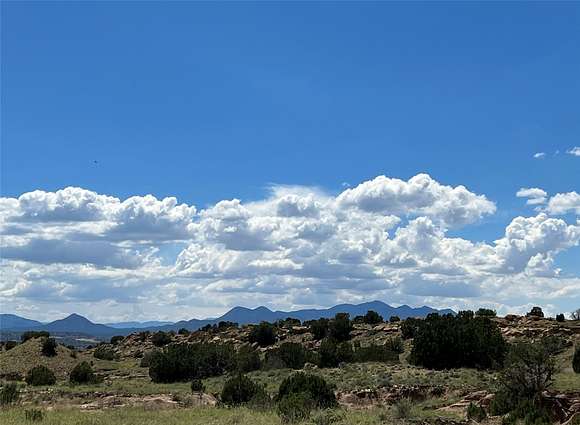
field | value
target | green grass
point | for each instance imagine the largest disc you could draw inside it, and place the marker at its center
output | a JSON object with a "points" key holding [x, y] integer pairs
{"points": [[201, 416]]}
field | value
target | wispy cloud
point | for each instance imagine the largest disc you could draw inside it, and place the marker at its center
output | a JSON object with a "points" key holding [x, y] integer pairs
{"points": [[539, 155], [574, 151]]}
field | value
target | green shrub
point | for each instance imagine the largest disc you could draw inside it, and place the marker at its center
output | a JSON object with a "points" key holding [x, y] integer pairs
{"points": [[576, 360], [395, 344], [485, 312], [33, 415], [447, 342], [340, 327], [159, 339], [104, 352], [375, 353], [40, 375], [292, 354], [410, 327], [554, 344], [184, 362], [83, 373], [403, 408], [530, 412], [560, 318], [535, 312], [48, 347], [263, 334], [295, 407], [527, 373], [239, 390], [327, 417], [9, 345], [476, 412], [146, 359], [9, 394], [394, 319], [115, 340], [315, 387], [183, 331], [33, 334], [327, 353], [247, 359], [197, 386], [372, 318], [319, 328]]}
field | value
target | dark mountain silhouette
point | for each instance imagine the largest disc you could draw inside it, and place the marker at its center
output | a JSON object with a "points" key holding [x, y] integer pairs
{"points": [[12, 321], [76, 324]]}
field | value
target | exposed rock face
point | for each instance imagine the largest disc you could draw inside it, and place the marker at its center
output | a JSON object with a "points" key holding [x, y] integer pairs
{"points": [[367, 398], [156, 401]]}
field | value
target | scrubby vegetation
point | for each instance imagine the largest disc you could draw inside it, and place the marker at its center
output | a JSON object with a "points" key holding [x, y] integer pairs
{"points": [[263, 334], [197, 386], [115, 340], [40, 375], [104, 352], [315, 387], [240, 390], [33, 334], [576, 360], [528, 372], [159, 339], [291, 354], [536, 312], [83, 374], [49, 347], [184, 362], [409, 327], [9, 345], [445, 342], [247, 359], [9, 394]]}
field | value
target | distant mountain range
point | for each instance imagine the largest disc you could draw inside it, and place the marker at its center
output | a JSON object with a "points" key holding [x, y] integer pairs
{"points": [[76, 324]]}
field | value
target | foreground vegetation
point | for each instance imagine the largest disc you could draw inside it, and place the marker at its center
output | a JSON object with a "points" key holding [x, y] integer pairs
{"points": [[268, 380]]}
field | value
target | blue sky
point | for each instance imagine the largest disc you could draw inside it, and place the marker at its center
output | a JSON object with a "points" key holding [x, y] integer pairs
{"points": [[210, 102]]}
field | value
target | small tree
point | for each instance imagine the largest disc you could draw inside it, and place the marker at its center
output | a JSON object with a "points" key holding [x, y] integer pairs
{"points": [[183, 331], [536, 312], [560, 318], [394, 319], [82, 374], [104, 352], [319, 328], [340, 327], [49, 347], [263, 334], [115, 340], [9, 393], [315, 387], [575, 315], [292, 354], [159, 339], [10, 345], [486, 312], [40, 375], [372, 318], [528, 371], [239, 390], [247, 359]]}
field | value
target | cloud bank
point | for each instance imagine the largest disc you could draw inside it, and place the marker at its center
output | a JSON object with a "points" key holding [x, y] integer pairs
{"points": [[385, 238]]}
